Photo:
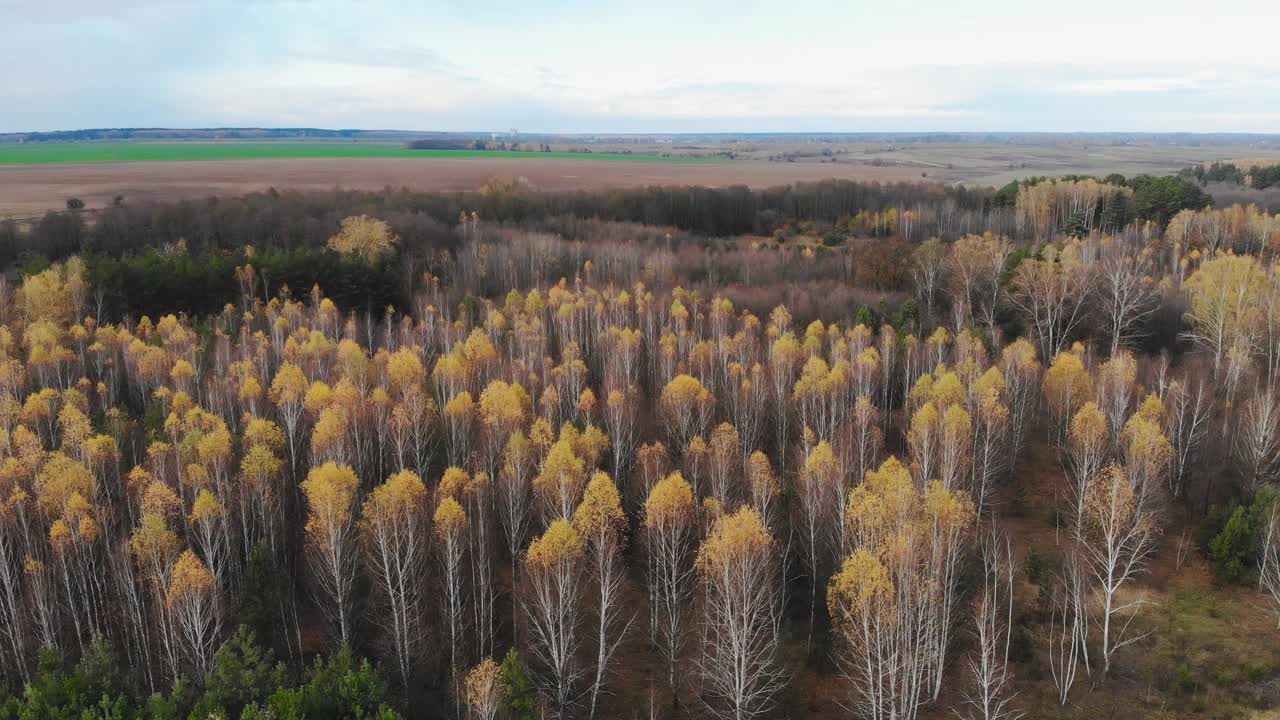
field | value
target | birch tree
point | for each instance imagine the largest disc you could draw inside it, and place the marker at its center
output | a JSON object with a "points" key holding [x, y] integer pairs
{"points": [[450, 522], [1224, 306], [742, 615], [601, 523], [1128, 295], [396, 544], [669, 533], [1051, 293], [1269, 560], [330, 491], [192, 602], [1120, 530], [991, 695], [553, 604]]}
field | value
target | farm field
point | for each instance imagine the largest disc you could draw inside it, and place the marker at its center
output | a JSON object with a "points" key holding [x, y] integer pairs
{"points": [[30, 190], [37, 178], [96, 152]]}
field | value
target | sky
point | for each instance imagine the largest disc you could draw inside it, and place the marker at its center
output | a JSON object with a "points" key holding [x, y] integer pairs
{"points": [[586, 66]]}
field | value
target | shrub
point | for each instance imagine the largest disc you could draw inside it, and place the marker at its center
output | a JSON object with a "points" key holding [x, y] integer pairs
{"points": [[1041, 565], [517, 687], [1184, 680], [1231, 550]]}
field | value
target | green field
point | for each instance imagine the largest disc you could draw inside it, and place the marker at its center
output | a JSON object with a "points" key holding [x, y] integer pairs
{"points": [[99, 152]]}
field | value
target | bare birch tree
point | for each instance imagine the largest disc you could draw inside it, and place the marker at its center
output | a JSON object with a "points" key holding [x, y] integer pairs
{"points": [[742, 614]]}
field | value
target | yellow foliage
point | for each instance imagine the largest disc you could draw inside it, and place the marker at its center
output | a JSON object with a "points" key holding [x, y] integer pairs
{"points": [[503, 405], [1225, 299], [263, 433], [460, 406], [485, 686], [454, 482], [821, 461], [683, 392], [760, 477], [206, 509], [1066, 383], [561, 543], [153, 544], [947, 391], [190, 577], [366, 237], [404, 369], [58, 480], [318, 398], [160, 500], [670, 501], [733, 540], [289, 385], [1089, 426], [450, 518], [861, 582], [330, 491], [400, 499], [54, 294], [601, 509], [563, 473]]}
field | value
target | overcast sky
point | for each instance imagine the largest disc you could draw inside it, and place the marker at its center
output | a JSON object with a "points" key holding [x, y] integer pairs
{"points": [[652, 66]]}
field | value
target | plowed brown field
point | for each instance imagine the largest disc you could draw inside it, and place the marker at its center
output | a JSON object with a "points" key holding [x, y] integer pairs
{"points": [[29, 190]]}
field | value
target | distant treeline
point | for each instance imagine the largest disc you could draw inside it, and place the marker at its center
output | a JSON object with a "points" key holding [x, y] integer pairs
{"points": [[442, 144], [1153, 198], [291, 219], [1258, 177], [976, 138], [182, 255], [184, 134]]}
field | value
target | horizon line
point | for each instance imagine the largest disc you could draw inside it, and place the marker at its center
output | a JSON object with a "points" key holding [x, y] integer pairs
{"points": [[567, 133]]}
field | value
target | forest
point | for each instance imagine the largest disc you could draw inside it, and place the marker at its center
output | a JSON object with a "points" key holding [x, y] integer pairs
{"points": [[827, 450]]}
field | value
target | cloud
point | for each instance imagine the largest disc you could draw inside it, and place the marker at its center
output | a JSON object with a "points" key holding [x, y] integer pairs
{"points": [[655, 65]]}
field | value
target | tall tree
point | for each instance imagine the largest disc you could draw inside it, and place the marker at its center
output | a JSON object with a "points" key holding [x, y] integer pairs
{"points": [[669, 532], [1120, 529], [742, 616], [1224, 294], [601, 523], [553, 603], [991, 696], [396, 545], [331, 501], [450, 522], [1051, 291], [192, 602]]}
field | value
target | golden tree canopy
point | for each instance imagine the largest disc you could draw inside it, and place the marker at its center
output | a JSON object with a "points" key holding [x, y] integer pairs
{"points": [[560, 543], [402, 496], [670, 500], [366, 237], [1225, 296], [55, 293], [190, 577], [734, 539], [331, 492], [484, 684], [503, 405], [861, 582], [449, 517], [1066, 383], [601, 507]]}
